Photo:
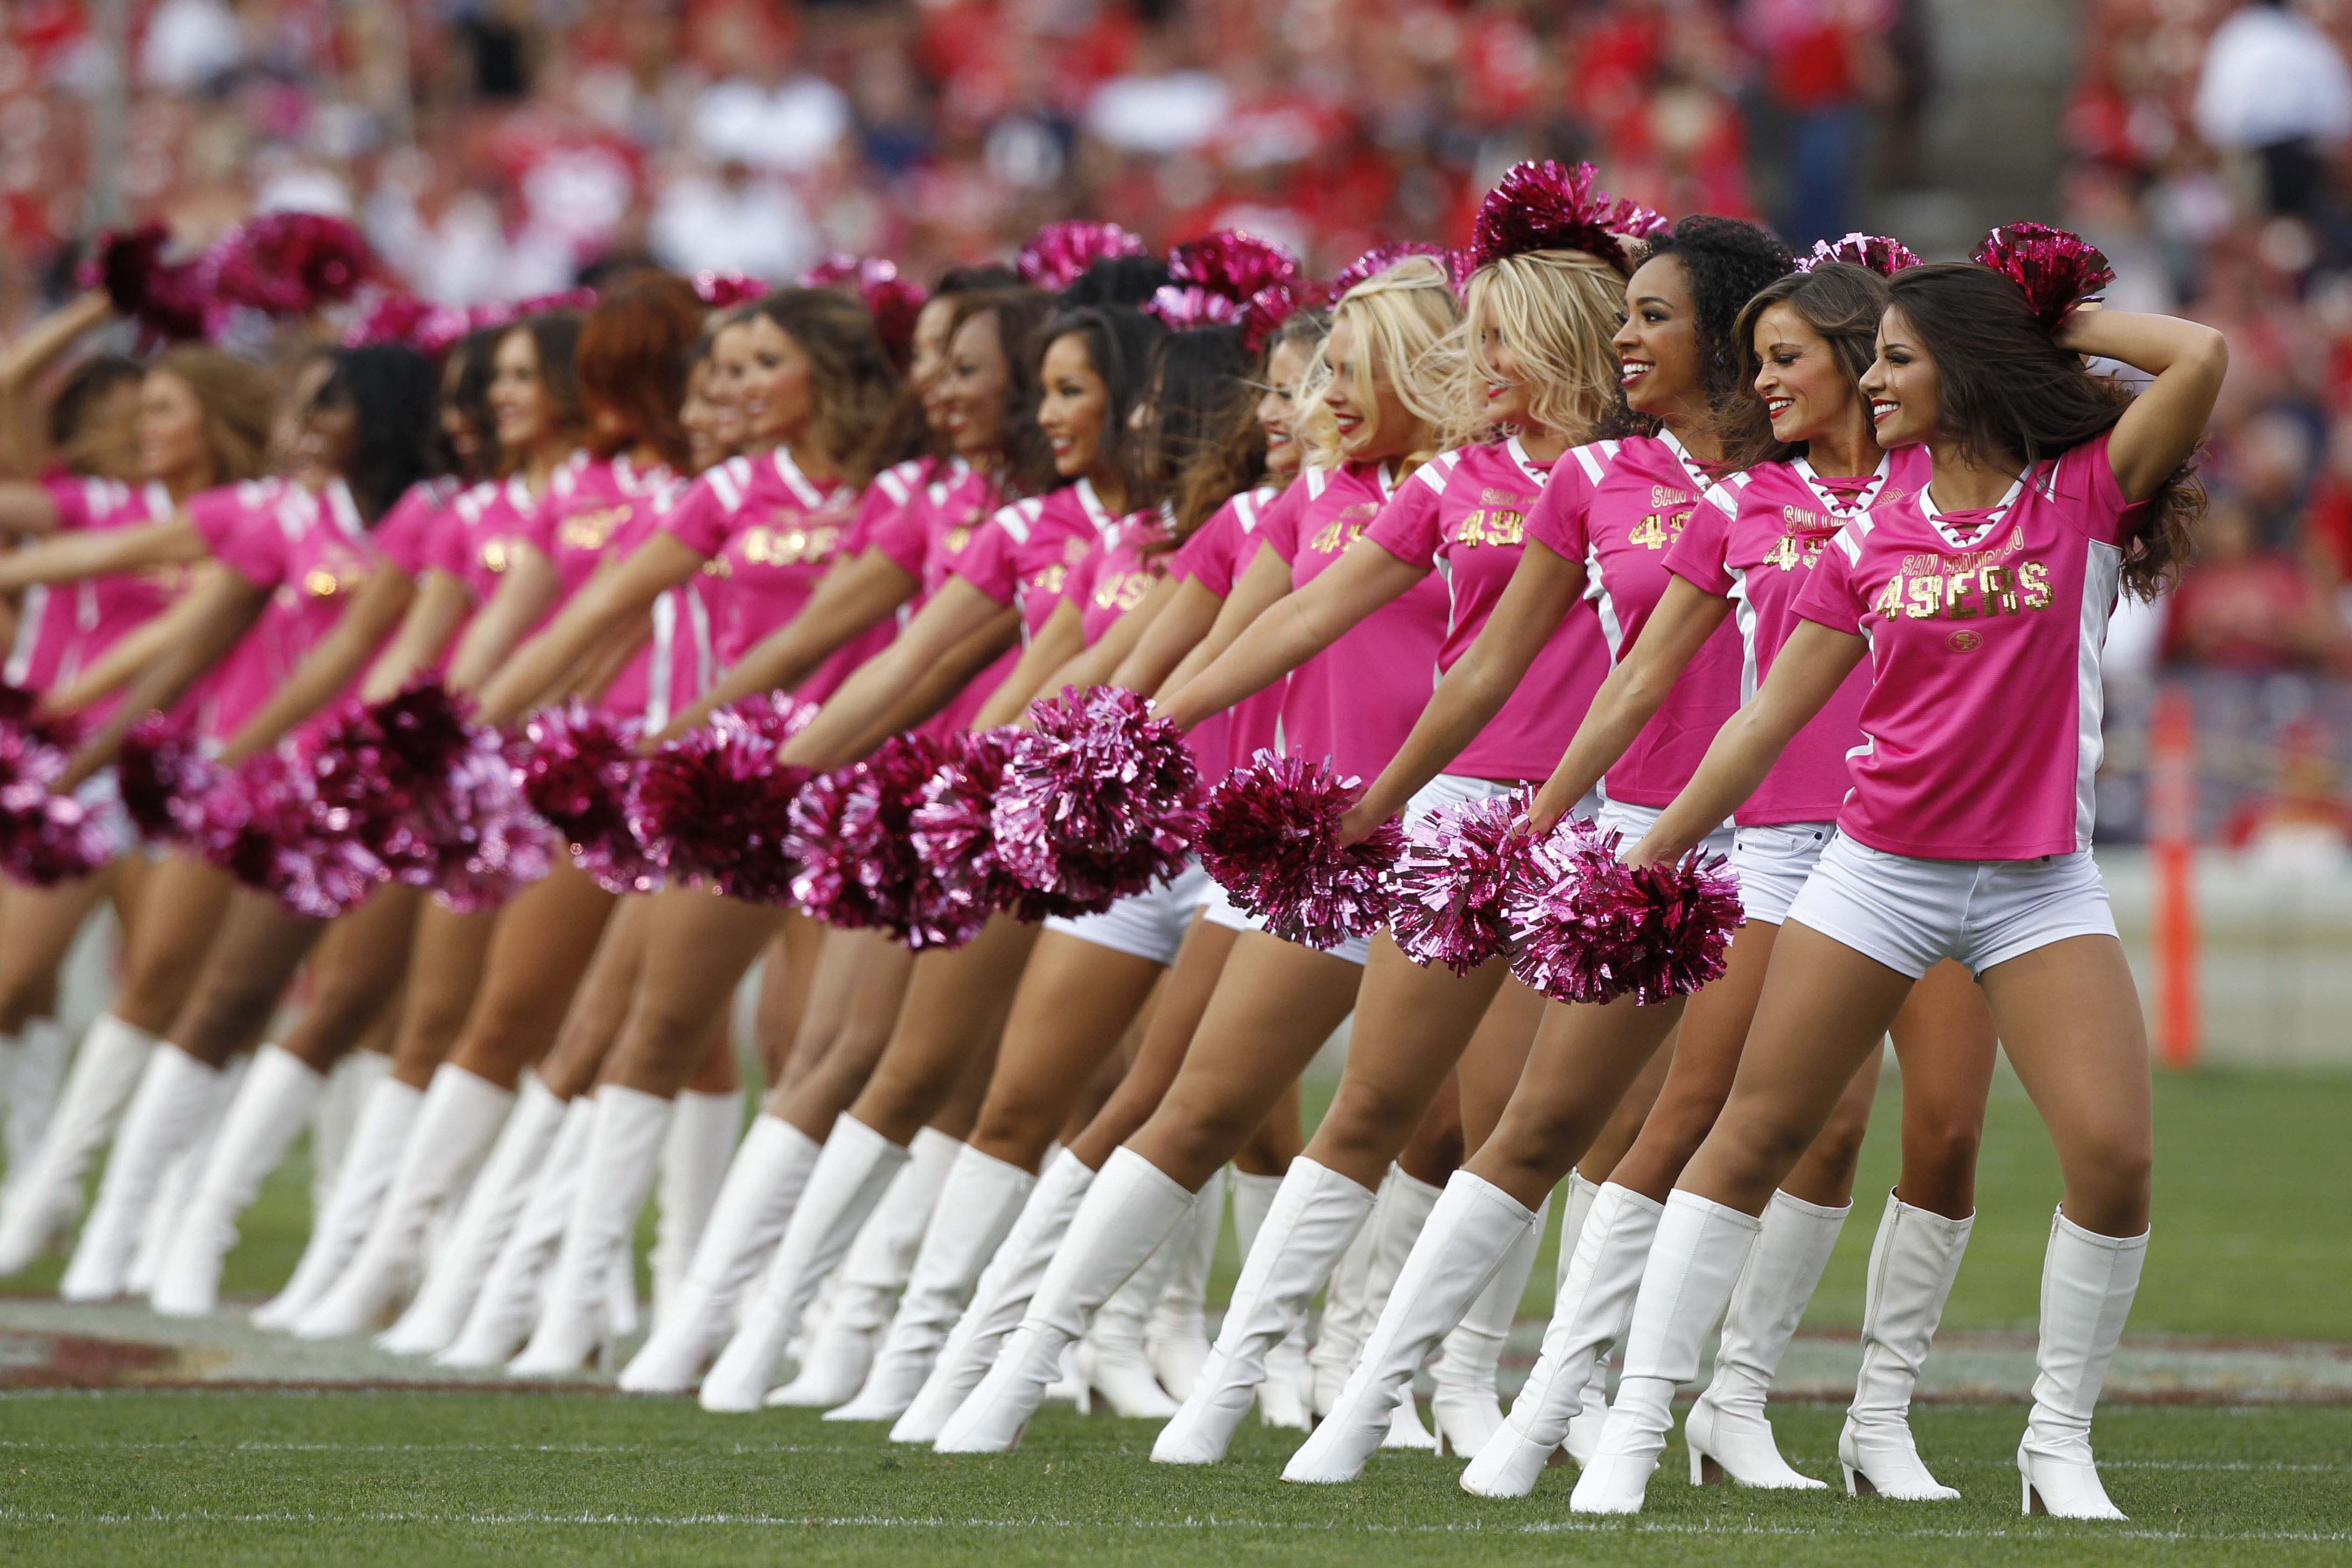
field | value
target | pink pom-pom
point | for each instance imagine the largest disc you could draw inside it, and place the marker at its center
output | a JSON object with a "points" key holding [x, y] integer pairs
{"points": [[577, 774], [1453, 879], [2058, 270], [582, 299], [1545, 205], [1098, 800], [1881, 253], [1058, 253], [716, 804], [266, 827], [165, 299], [1592, 928], [851, 834], [163, 773], [481, 841], [46, 838], [1228, 279], [725, 291], [1453, 264], [891, 301], [289, 263], [1270, 836], [392, 316], [954, 834], [384, 767]]}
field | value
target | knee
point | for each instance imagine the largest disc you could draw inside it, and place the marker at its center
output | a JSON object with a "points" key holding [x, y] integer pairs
{"points": [[1371, 1121], [1016, 1122], [2109, 1172], [1941, 1152], [1197, 1132], [225, 1017], [24, 997]]}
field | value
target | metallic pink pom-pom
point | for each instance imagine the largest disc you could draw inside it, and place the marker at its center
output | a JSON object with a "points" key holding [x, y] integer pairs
{"points": [[954, 832], [577, 775], [1588, 927], [163, 773], [1057, 253], [46, 838], [1184, 309], [850, 833], [1453, 879], [1881, 253], [166, 299], [1231, 263], [1453, 264], [477, 841], [392, 315], [289, 263], [716, 804], [1097, 799], [384, 766], [266, 827], [893, 302], [725, 291], [1269, 835], [1545, 205], [582, 298], [2058, 270]]}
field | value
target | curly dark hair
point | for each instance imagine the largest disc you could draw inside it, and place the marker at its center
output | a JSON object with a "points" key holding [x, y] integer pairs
{"points": [[905, 433], [1727, 262], [2008, 392], [468, 392], [1196, 378]]}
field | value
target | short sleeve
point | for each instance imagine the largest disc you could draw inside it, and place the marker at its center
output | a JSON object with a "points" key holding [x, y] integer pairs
{"points": [[1558, 521], [246, 539], [890, 520], [989, 562], [1410, 526], [1698, 555], [2084, 485], [704, 520], [1277, 527], [1832, 595], [410, 534], [77, 500]]}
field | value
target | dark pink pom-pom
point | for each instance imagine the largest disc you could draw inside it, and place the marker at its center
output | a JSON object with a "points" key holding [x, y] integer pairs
{"points": [[475, 841], [954, 833], [582, 298], [1453, 879], [165, 299], [384, 768], [1453, 264], [46, 838], [1231, 263], [289, 263], [392, 315], [1545, 205], [1881, 253], [725, 291], [716, 804], [163, 773], [577, 772], [1185, 310], [2058, 270], [265, 825], [1097, 799], [1270, 836], [851, 835], [1588, 927], [1057, 253]]}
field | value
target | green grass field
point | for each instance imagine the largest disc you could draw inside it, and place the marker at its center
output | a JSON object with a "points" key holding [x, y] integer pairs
{"points": [[2249, 1246]]}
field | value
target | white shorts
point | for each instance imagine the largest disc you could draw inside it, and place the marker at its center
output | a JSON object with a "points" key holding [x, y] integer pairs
{"points": [[1634, 821], [1773, 861], [101, 793], [1907, 913], [1149, 924]]}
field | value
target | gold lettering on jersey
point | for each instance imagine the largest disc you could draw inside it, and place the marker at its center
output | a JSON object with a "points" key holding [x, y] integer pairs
{"points": [[1051, 579], [498, 554], [800, 545], [1961, 593], [591, 530], [1492, 525], [1123, 591], [957, 537], [1343, 530], [1659, 530], [1789, 551]]}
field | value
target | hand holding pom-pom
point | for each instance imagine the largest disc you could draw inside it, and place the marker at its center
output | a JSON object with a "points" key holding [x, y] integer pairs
{"points": [[2059, 271], [851, 834], [265, 825], [163, 772], [1097, 800], [1453, 881], [716, 803], [1592, 929], [1269, 835], [577, 774]]}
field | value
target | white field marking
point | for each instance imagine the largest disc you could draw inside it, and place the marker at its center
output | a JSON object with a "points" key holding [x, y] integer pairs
{"points": [[887, 1521]]}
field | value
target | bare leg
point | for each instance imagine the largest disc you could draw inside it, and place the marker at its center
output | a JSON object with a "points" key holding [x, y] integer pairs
{"points": [[1706, 1057], [787, 982], [1277, 1141], [1185, 999], [955, 1009], [260, 947], [1434, 1152], [446, 959], [1496, 1058], [37, 927], [538, 953], [1075, 1000], [356, 977], [697, 948], [717, 1072], [182, 906], [584, 1046], [1584, 1060], [1944, 1040], [848, 1059], [1599, 1163]]}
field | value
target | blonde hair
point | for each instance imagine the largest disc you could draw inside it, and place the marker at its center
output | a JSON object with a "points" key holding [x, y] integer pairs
{"points": [[1401, 316], [238, 402], [1557, 311]]}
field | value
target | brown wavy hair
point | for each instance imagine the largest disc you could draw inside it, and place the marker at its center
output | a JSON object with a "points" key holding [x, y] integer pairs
{"points": [[631, 362], [855, 378], [239, 401], [2010, 392], [1843, 303], [1236, 460], [1018, 315], [556, 334]]}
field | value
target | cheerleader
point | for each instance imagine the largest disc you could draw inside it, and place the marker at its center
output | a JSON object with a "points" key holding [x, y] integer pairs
{"points": [[203, 428], [1091, 375], [1752, 542], [1981, 601], [496, 1012], [1369, 417]]}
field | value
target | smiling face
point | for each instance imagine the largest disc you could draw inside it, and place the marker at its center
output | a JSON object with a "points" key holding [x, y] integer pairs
{"points": [[1504, 384], [699, 416], [170, 429], [1658, 348], [330, 437], [1074, 408], [775, 392], [930, 355], [520, 408], [1277, 407], [457, 427], [1806, 391], [1906, 400], [1372, 420], [966, 398]]}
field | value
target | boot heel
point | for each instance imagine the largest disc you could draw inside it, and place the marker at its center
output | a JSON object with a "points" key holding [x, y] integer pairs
{"points": [[1704, 1470], [1852, 1488], [2028, 1503]]}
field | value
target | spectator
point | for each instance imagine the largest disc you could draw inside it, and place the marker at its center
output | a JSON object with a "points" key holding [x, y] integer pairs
{"points": [[2275, 85]]}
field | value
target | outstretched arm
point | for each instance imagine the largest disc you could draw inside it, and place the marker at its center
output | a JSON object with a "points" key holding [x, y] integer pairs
{"points": [[525, 589], [1263, 583], [1176, 629], [102, 552], [137, 648], [433, 618], [1062, 638], [333, 663], [937, 685], [604, 606], [957, 611], [223, 608]]}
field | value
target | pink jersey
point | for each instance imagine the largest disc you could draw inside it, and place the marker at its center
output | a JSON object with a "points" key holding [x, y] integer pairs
{"points": [[601, 510], [62, 629], [1356, 700], [1214, 557], [1980, 731], [1119, 571], [934, 529], [1755, 541], [1021, 557], [1465, 513], [485, 524], [890, 514], [312, 552], [410, 534], [1617, 507]]}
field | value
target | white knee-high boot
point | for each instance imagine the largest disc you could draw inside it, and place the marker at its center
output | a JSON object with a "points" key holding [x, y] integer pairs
{"points": [[1339, 1334], [1589, 1316], [349, 1083], [1727, 1431], [178, 1187], [47, 1193], [981, 1199], [1700, 1249], [271, 1107], [507, 1306], [1403, 1208], [177, 1099], [1111, 1364], [1286, 1395], [1000, 1301], [626, 1130], [1176, 1337], [694, 1159], [838, 1356], [1467, 1408], [850, 1177], [1127, 1214], [384, 1130], [1469, 1232], [763, 1187], [1315, 1213], [1913, 1262], [36, 1069], [2088, 1281]]}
